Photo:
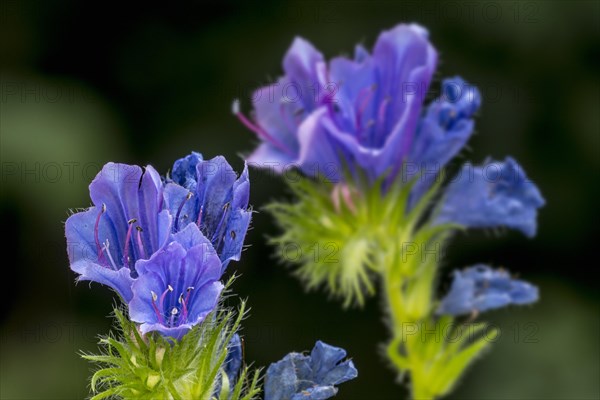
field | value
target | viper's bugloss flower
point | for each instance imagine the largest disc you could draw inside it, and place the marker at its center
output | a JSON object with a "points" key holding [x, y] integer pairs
{"points": [[234, 359], [178, 286], [442, 132], [364, 114], [309, 377], [127, 223], [481, 288], [492, 195], [209, 194]]}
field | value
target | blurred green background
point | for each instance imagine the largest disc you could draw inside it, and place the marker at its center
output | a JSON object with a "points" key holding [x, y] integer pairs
{"points": [[83, 84]]}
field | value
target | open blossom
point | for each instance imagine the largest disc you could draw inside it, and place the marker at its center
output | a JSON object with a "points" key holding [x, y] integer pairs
{"points": [[178, 286], [127, 223], [309, 377], [492, 195], [209, 194], [481, 288], [366, 117]]}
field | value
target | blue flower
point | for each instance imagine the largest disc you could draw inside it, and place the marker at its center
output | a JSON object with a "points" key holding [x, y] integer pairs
{"points": [[209, 194], [234, 359], [313, 377], [495, 194], [127, 223], [360, 113], [178, 286], [480, 288], [442, 132], [233, 363]]}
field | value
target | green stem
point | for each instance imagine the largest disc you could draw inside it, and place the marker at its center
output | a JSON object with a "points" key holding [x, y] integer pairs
{"points": [[420, 387], [408, 280]]}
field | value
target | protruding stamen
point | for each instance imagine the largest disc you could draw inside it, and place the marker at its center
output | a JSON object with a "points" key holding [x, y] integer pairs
{"points": [[107, 250], [184, 310], [254, 127], [223, 217], [127, 239], [161, 302], [156, 310], [185, 303], [140, 243], [96, 235], [174, 312], [187, 197]]}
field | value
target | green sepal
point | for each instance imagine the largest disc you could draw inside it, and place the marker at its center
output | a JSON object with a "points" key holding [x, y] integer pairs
{"points": [[151, 366]]}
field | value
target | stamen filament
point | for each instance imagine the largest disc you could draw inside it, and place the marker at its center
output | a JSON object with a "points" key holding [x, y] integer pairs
{"points": [[184, 308], [225, 212], [140, 243], [258, 129], [173, 314], [106, 248], [156, 311], [101, 258], [187, 197], [162, 297], [185, 303], [127, 239]]}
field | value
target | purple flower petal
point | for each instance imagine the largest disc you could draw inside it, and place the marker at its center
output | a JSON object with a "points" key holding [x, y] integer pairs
{"points": [[480, 288], [313, 377], [126, 224], [495, 194], [177, 290]]}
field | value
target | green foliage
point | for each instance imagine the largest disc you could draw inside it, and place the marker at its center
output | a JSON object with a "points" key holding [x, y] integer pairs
{"points": [[133, 366], [437, 352], [370, 233], [340, 240]]}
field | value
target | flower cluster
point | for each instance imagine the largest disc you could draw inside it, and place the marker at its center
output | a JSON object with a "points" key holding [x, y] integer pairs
{"points": [[162, 243], [385, 205], [374, 133]]}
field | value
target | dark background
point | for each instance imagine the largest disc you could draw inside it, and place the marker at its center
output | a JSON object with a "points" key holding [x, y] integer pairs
{"points": [[84, 84]]}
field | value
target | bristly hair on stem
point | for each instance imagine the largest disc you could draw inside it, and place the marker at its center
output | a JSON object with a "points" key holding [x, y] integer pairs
{"points": [[338, 235], [132, 366]]}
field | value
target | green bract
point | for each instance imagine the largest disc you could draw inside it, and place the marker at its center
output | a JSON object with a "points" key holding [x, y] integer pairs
{"points": [[343, 236], [154, 367]]}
